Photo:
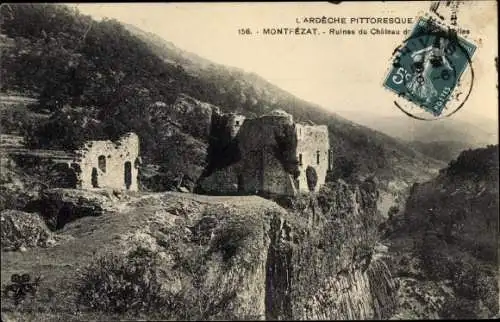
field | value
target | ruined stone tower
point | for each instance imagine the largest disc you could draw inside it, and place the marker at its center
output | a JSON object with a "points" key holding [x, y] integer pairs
{"points": [[272, 148]]}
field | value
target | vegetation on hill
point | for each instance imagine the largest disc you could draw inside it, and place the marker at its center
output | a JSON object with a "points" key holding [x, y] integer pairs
{"points": [[441, 150], [448, 234], [99, 80], [479, 163]]}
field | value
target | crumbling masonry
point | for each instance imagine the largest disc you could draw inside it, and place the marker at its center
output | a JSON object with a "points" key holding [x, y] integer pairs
{"points": [[276, 155], [107, 164]]}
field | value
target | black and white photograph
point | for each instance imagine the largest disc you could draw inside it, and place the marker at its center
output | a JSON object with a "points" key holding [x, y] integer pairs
{"points": [[324, 160]]}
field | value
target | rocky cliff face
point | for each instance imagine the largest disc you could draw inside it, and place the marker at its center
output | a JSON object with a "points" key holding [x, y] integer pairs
{"points": [[223, 257], [337, 273], [274, 263], [444, 245], [181, 133], [22, 230]]}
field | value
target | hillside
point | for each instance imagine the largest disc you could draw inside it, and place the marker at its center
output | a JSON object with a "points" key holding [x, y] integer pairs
{"points": [[106, 80], [441, 150], [444, 245], [180, 256], [474, 131], [109, 254]]}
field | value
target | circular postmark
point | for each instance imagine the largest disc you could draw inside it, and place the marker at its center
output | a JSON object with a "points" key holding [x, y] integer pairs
{"points": [[431, 72]]}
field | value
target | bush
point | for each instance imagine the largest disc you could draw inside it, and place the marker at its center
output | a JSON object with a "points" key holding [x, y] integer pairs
{"points": [[13, 120], [67, 128], [459, 308], [123, 284], [230, 239], [392, 211], [21, 229]]}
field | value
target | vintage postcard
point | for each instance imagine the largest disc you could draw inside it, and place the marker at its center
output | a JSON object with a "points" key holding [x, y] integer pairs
{"points": [[332, 160]]}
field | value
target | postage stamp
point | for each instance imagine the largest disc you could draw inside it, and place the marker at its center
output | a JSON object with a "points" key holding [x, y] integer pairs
{"points": [[427, 68]]}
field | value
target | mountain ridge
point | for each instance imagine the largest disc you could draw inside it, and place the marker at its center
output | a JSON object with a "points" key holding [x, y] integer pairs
{"points": [[476, 131]]}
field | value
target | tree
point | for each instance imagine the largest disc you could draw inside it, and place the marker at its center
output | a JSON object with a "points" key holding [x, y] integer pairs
{"points": [[66, 129]]}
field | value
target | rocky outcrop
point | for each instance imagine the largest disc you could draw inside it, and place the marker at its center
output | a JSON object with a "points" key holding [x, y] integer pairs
{"points": [[180, 151], [17, 188], [444, 245], [332, 271], [271, 263], [60, 206], [239, 257], [23, 230], [192, 116], [354, 295]]}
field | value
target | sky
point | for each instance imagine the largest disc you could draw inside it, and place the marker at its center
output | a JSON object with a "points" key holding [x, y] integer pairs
{"points": [[338, 72]]}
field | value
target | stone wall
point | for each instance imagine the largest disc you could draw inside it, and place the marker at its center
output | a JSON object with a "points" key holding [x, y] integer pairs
{"points": [[260, 170], [108, 163], [263, 166], [313, 150], [222, 181], [275, 179]]}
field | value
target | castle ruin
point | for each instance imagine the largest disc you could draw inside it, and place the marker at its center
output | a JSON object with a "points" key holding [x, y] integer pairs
{"points": [[101, 164], [276, 156], [107, 164]]}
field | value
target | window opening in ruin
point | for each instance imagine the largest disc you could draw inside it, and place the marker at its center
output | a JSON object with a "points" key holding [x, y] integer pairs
{"points": [[101, 161], [317, 157], [240, 183], [330, 159], [311, 178], [237, 123], [94, 178], [128, 174], [72, 178], [300, 159]]}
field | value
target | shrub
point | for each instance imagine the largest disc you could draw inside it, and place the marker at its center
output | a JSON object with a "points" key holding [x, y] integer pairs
{"points": [[22, 229], [229, 239], [459, 308], [123, 284], [392, 211]]}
